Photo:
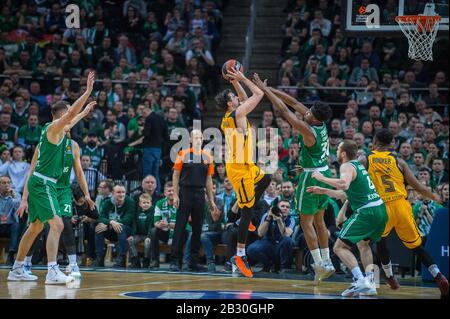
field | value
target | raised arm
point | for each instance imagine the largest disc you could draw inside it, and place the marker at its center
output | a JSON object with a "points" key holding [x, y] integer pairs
{"points": [[414, 182], [81, 115], [347, 173], [289, 100], [250, 104], [58, 126], [240, 91], [289, 116], [81, 178]]}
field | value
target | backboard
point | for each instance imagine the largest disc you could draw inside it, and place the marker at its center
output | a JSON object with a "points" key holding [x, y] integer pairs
{"points": [[356, 13]]}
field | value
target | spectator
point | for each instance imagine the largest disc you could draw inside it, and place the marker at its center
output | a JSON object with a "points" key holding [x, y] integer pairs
{"points": [[93, 176], [418, 163], [367, 53], [54, 21], [9, 221], [105, 189], [276, 245], [104, 56], [409, 132], [321, 23], [8, 132], [164, 221], [148, 186], [29, 134], [389, 113], [16, 169], [124, 51], [142, 224], [438, 174], [115, 135], [423, 211], [364, 69], [115, 222]]}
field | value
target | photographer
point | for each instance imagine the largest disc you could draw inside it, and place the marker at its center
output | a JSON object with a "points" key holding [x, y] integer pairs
{"points": [[423, 211], [84, 220], [276, 245]]}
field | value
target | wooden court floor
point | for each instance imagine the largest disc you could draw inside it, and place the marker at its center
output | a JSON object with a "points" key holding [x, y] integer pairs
{"points": [[113, 284]]}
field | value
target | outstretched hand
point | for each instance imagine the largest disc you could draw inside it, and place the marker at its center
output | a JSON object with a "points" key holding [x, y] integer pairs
{"points": [[236, 75], [90, 107], [257, 80], [90, 81]]}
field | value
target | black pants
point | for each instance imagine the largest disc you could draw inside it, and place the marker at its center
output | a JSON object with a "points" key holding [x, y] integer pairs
{"points": [[157, 235], [192, 202]]}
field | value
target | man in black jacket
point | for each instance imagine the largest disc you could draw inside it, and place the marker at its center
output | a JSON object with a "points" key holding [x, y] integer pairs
{"points": [[155, 132]]}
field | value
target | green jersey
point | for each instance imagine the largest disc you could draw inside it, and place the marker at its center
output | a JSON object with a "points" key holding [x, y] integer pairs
{"points": [[317, 155], [143, 221], [8, 135], [50, 162], [96, 154], [361, 190], [64, 180], [165, 211], [30, 135]]}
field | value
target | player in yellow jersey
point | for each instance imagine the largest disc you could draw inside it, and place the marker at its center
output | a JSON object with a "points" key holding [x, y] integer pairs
{"points": [[248, 180], [389, 175]]}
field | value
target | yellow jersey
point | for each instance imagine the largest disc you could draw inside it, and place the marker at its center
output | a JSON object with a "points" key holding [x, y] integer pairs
{"points": [[386, 175], [239, 145]]}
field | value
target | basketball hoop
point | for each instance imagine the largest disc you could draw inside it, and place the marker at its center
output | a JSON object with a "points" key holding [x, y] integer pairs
{"points": [[421, 31]]}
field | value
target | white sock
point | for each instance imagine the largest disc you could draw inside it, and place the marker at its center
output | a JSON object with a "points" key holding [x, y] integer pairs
{"points": [[388, 270], [28, 260], [17, 264], [357, 274], [72, 259], [241, 252], [434, 270], [316, 256], [50, 265], [325, 252]]}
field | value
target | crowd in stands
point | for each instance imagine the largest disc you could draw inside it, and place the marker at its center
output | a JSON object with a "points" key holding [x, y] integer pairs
{"points": [[170, 45]]}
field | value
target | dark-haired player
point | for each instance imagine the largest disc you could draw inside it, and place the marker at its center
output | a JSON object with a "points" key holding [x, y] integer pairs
{"points": [[389, 174], [314, 153], [248, 180], [47, 167]]}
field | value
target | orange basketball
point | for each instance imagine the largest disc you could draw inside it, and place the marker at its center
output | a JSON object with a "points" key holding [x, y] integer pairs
{"points": [[230, 65]]}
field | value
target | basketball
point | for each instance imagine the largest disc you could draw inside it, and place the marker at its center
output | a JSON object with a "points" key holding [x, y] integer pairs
{"points": [[230, 65]]}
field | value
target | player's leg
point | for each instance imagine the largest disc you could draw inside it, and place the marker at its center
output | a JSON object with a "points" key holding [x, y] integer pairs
{"points": [[54, 275], [409, 234], [68, 238], [323, 239], [360, 284], [28, 259], [18, 272], [367, 260]]}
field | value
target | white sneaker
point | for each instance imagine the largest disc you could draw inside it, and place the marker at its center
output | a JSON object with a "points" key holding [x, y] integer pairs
{"points": [[73, 271], [19, 274], [357, 287], [27, 269], [372, 291], [57, 277], [319, 273], [328, 267]]}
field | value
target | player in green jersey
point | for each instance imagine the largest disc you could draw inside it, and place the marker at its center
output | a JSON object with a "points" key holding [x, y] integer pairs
{"points": [[314, 153], [46, 168], [365, 224]]}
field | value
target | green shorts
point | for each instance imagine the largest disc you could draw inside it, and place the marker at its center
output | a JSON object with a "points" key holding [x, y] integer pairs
{"points": [[65, 201], [307, 203], [43, 200], [365, 224]]}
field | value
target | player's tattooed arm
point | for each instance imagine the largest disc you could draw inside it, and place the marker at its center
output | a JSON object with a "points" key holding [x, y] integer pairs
{"points": [[299, 125], [289, 100]]}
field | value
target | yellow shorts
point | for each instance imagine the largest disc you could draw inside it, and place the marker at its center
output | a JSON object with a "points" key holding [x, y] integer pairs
{"points": [[401, 218], [243, 177]]}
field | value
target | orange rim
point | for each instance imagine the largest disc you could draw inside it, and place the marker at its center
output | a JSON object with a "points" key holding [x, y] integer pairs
{"points": [[424, 21]]}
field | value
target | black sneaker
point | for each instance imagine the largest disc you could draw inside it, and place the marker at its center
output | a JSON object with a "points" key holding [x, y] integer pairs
{"points": [[136, 262], [154, 264], [10, 259], [174, 267], [120, 262], [197, 268], [99, 262], [145, 262]]}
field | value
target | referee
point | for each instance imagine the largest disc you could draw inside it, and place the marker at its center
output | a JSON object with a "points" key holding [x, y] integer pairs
{"points": [[193, 172]]}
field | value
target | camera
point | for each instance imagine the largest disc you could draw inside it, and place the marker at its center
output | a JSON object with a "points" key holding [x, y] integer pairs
{"points": [[275, 209]]}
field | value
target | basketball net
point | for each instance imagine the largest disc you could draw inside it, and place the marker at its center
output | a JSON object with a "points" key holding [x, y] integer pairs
{"points": [[421, 31]]}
